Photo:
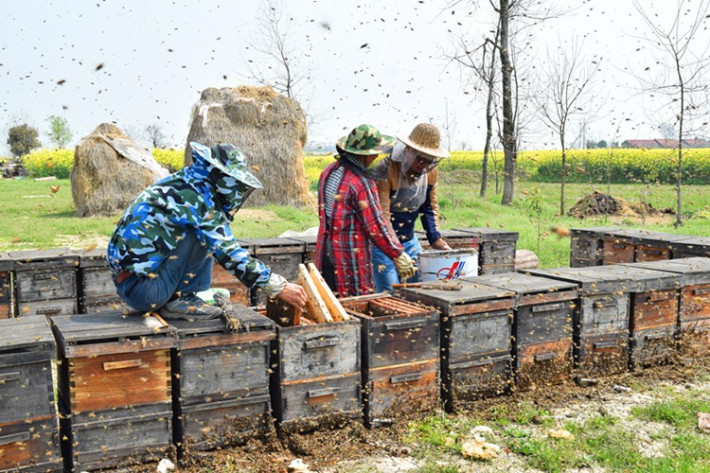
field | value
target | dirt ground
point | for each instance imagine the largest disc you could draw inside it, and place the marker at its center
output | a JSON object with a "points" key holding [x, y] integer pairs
{"points": [[349, 447]]}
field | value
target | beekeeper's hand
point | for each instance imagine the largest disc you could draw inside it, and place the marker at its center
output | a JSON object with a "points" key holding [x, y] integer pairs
{"points": [[440, 244], [294, 295], [405, 266], [288, 292]]}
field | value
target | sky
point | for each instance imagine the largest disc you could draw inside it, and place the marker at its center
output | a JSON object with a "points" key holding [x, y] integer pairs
{"points": [[145, 63]]}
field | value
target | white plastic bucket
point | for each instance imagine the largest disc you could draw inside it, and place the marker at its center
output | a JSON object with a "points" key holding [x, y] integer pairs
{"points": [[437, 265]]}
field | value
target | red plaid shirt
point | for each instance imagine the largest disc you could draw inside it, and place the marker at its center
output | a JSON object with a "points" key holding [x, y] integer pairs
{"points": [[356, 222]]}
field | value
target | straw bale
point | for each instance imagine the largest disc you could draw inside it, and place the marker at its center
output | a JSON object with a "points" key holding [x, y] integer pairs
{"points": [[269, 128], [102, 181]]}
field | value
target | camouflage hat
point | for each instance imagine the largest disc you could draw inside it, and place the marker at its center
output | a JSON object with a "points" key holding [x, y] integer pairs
{"points": [[365, 140], [228, 159]]}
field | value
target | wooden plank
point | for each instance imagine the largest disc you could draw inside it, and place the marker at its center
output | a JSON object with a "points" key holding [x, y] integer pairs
{"points": [[316, 309], [334, 306]]}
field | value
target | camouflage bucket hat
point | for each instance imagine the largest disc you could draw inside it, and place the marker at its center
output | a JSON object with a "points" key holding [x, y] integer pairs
{"points": [[365, 140], [228, 159]]}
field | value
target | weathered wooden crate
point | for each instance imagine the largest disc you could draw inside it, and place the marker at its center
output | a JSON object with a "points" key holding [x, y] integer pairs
{"points": [[30, 446], [691, 246], [309, 251], [282, 255], [586, 246], [476, 338], [496, 249], [693, 304], [97, 292], [7, 286], [221, 381], [114, 389], [315, 374], [454, 238], [631, 245], [400, 356], [27, 350], [238, 292], [46, 282], [542, 326], [618, 247]]}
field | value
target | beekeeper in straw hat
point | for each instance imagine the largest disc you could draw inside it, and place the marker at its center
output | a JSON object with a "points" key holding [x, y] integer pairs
{"points": [[407, 187]]}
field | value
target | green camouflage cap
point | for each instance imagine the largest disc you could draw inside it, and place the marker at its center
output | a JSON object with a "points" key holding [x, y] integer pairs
{"points": [[365, 140]]}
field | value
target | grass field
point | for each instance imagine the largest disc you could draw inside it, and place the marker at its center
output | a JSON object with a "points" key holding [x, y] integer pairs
{"points": [[32, 217]]}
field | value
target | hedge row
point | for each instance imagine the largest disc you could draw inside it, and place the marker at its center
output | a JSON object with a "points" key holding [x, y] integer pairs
{"points": [[584, 166]]}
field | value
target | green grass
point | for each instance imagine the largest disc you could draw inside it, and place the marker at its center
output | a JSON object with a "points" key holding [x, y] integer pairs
{"points": [[601, 441], [30, 218]]}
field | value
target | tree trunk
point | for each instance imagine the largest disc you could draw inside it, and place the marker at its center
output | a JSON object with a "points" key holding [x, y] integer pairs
{"points": [[509, 138], [564, 174], [489, 127], [679, 195]]}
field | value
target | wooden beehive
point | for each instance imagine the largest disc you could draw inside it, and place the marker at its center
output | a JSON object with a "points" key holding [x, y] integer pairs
{"points": [[400, 356], [542, 326], [46, 282], [97, 292], [221, 380], [309, 251], [693, 319], [691, 246], [7, 286], [238, 292], [586, 246], [476, 338], [496, 249], [315, 373], [114, 389], [29, 439], [454, 238], [282, 255]]}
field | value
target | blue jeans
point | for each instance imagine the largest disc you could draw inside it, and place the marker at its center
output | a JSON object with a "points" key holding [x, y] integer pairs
{"points": [[188, 269], [383, 270]]}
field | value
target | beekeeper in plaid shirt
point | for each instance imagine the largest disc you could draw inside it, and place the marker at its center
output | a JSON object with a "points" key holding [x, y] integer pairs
{"points": [[351, 217]]}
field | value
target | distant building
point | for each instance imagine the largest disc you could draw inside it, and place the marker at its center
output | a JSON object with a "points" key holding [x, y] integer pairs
{"points": [[665, 144]]}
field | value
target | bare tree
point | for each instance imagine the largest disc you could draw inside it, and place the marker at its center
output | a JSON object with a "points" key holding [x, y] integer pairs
{"points": [[565, 92], [156, 136], [279, 61], [680, 80]]}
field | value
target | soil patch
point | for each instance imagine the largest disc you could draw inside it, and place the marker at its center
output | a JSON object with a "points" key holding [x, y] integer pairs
{"points": [[597, 203]]}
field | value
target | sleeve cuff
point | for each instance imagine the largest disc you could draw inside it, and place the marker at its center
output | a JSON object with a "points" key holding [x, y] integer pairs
{"points": [[275, 285]]}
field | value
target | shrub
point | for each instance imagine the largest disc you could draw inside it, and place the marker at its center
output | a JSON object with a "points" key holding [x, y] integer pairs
{"points": [[173, 159]]}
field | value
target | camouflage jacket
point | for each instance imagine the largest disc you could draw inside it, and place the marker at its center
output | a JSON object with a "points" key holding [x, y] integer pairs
{"points": [[196, 198]]}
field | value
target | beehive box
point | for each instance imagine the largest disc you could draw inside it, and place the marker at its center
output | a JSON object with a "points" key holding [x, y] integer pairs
{"points": [[542, 326], [97, 292], [46, 282], [315, 374], [496, 249], [7, 286], [238, 292], [29, 439], [221, 380], [282, 255], [694, 302], [454, 238], [624, 315], [114, 390], [400, 356], [631, 245], [309, 250], [586, 246], [476, 337], [691, 246]]}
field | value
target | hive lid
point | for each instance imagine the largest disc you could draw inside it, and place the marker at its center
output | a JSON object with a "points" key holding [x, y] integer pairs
{"points": [[7, 263], [470, 292], [270, 242], [250, 321], [692, 270], [595, 230], [523, 284], [491, 234], [612, 278], [25, 260], [112, 326], [26, 331]]}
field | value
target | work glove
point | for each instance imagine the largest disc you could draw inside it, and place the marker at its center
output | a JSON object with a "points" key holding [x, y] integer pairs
{"points": [[404, 266]]}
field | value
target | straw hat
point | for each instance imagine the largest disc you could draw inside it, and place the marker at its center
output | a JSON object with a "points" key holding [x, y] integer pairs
{"points": [[426, 138], [365, 140]]}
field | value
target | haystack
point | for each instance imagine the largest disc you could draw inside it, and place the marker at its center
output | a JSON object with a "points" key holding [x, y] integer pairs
{"points": [[268, 128], [110, 171]]}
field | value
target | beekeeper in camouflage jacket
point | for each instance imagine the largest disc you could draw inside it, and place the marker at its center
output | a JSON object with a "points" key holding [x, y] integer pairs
{"points": [[162, 250]]}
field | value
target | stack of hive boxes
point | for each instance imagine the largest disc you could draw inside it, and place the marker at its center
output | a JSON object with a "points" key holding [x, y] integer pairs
{"points": [[46, 282]]}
